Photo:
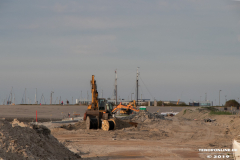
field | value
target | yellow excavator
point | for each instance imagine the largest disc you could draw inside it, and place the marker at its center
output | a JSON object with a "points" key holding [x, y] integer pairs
{"points": [[178, 101], [126, 109], [98, 110]]}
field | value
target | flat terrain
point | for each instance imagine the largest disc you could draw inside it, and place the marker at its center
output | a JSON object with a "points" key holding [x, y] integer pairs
{"points": [[56, 112], [178, 137]]}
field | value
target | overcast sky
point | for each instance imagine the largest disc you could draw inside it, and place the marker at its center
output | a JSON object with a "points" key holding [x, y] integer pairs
{"points": [[184, 48]]}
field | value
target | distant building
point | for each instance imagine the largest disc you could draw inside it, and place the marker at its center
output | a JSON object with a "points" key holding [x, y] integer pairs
{"points": [[173, 102], [201, 103]]}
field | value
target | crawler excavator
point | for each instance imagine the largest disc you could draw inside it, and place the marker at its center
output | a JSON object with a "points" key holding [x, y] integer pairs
{"points": [[126, 109], [98, 110]]}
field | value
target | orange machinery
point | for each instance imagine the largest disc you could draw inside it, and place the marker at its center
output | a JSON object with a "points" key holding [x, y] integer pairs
{"points": [[126, 109]]}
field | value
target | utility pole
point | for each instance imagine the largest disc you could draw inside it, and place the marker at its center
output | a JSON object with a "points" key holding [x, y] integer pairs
{"points": [[51, 97], [219, 96], [11, 95], [81, 95], [87, 95], [25, 96], [131, 96], [14, 98], [137, 86], [36, 97], [115, 91]]}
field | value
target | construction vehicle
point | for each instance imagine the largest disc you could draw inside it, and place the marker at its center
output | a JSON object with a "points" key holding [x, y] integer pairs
{"points": [[126, 109], [98, 110], [178, 101]]}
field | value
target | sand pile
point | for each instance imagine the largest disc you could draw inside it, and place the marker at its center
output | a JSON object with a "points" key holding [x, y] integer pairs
{"points": [[144, 116], [82, 125], [34, 142], [76, 126], [120, 124], [196, 113]]}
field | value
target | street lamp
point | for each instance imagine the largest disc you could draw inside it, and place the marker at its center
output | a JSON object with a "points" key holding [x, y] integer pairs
{"points": [[219, 96], [131, 96]]}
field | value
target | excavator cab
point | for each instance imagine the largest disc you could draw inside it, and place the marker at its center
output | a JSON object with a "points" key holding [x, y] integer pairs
{"points": [[102, 104], [109, 106]]}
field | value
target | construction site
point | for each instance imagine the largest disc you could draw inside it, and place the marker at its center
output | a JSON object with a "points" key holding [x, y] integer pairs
{"points": [[104, 131]]}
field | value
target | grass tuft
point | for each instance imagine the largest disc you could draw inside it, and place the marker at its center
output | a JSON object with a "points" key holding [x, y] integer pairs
{"points": [[220, 113]]}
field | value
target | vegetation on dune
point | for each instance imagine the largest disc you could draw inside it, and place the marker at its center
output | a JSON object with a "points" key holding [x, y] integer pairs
{"points": [[232, 102], [220, 113], [211, 109], [184, 111]]}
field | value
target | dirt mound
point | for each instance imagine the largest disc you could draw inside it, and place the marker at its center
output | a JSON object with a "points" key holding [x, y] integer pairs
{"points": [[144, 116], [76, 126], [195, 113], [82, 125], [15, 123], [120, 124], [30, 143]]}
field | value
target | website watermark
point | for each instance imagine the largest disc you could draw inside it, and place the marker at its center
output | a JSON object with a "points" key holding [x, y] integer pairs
{"points": [[216, 153], [217, 150]]}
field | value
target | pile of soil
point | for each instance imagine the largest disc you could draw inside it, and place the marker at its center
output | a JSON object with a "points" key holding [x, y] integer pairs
{"points": [[82, 125], [195, 113], [30, 142], [76, 126], [120, 124], [144, 116]]}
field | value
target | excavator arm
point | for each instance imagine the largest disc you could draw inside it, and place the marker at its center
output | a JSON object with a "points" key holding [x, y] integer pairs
{"points": [[128, 107]]}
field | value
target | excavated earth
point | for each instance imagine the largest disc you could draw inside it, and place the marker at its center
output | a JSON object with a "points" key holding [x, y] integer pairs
{"points": [[19, 141], [154, 137]]}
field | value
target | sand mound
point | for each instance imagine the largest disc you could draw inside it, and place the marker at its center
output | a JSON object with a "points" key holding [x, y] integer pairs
{"points": [[144, 116], [76, 126], [120, 124], [82, 125], [196, 113], [30, 143], [15, 123]]}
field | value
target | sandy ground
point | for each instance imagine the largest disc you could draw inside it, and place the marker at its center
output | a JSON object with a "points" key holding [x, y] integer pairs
{"points": [[45, 113], [178, 137]]}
